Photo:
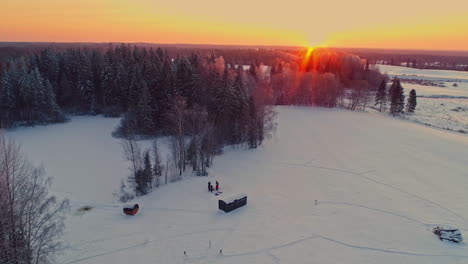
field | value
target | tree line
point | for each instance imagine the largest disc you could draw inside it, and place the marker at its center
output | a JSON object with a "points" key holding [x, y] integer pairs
{"points": [[331, 78], [146, 86]]}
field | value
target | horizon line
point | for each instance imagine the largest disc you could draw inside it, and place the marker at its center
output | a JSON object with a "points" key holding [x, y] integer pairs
{"points": [[231, 45]]}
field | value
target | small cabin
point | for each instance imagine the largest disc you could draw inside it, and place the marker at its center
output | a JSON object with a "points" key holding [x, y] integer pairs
{"points": [[233, 202]]}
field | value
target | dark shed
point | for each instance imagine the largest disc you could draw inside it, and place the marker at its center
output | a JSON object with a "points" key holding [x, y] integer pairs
{"points": [[233, 202]]}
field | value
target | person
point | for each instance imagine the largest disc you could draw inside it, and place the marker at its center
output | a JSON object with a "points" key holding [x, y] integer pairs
{"points": [[217, 185], [209, 186]]}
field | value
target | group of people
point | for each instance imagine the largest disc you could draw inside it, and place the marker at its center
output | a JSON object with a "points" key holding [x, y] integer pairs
{"points": [[211, 188]]}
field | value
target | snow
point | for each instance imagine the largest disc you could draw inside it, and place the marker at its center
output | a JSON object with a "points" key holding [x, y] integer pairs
{"points": [[381, 183], [444, 113]]}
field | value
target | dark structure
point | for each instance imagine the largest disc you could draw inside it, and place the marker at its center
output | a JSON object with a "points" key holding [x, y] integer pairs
{"points": [[132, 210], [231, 203]]}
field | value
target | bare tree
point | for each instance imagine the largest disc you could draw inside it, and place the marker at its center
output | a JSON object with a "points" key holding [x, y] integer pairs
{"points": [[171, 169], [168, 167], [200, 147], [133, 154], [31, 219], [176, 117], [359, 94], [261, 117]]}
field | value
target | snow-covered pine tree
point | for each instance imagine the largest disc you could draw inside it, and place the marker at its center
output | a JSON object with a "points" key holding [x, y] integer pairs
{"points": [[381, 95], [144, 111], [157, 163], [26, 95], [48, 64], [240, 108], [39, 101], [97, 62], [226, 107], [7, 99], [252, 129], [51, 107], [397, 98], [411, 104], [87, 102], [147, 171]]}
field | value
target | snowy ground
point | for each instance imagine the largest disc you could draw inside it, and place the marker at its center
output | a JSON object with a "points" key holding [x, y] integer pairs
{"points": [[441, 107], [381, 185], [445, 113]]}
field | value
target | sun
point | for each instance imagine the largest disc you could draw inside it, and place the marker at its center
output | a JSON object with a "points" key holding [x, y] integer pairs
{"points": [[306, 58], [309, 52]]}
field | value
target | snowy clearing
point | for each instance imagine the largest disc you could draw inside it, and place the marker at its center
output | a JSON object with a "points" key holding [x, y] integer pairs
{"points": [[381, 185], [445, 113]]}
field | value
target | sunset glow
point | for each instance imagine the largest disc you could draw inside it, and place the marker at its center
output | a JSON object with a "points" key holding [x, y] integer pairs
{"points": [[364, 23], [306, 59]]}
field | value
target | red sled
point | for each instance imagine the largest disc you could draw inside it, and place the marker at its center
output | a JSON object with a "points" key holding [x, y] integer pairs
{"points": [[131, 211]]}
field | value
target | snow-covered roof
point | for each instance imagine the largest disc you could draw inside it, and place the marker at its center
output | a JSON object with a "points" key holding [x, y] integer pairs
{"points": [[234, 197]]}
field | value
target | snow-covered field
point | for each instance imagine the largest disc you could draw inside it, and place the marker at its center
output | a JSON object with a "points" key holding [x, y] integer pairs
{"points": [[445, 113], [381, 185], [424, 74], [441, 107], [449, 91]]}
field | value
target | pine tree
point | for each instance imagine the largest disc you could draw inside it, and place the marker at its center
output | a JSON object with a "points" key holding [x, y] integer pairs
{"points": [[240, 108], [252, 128], [87, 102], [147, 170], [51, 107], [397, 98], [144, 111], [225, 104], [7, 99], [253, 71], [381, 95], [157, 163], [48, 64], [411, 104], [140, 183], [39, 100]]}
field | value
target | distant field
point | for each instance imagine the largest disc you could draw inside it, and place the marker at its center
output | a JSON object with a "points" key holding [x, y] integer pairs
{"points": [[406, 72], [441, 107]]}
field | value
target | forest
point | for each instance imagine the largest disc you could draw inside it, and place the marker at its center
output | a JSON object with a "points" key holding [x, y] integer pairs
{"points": [[145, 85], [204, 99]]}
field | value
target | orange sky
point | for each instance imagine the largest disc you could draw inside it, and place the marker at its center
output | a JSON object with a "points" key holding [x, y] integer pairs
{"points": [[402, 24]]}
